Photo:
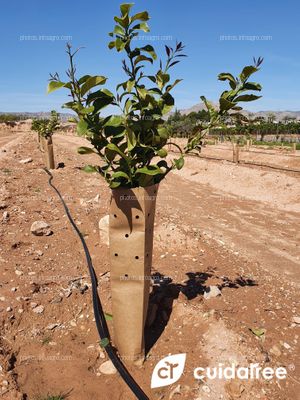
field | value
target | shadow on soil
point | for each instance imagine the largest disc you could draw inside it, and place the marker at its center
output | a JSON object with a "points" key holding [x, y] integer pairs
{"points": [[165, 292]]}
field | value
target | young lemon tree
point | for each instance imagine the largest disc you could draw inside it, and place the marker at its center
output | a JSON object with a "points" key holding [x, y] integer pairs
{"points": [[229, 103], [131, 145], [47, 126]]}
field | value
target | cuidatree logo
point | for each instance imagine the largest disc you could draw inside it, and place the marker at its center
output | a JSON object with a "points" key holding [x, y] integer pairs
{"points": [[168, 370]]}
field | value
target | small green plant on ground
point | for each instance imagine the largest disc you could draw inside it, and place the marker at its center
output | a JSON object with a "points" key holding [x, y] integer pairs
{"points": [[46, 340], [132, 144]]}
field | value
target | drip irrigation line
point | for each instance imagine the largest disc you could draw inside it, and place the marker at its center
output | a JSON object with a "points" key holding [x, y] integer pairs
{"points": [[101, 324]]}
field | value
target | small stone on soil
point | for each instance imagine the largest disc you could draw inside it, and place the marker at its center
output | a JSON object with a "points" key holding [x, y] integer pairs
{"points": [[296, 320], [26, 161], [275, 351], [39, 309], [176, 390], [52, 326], [5, 216], [107, 368], [40, 228]]}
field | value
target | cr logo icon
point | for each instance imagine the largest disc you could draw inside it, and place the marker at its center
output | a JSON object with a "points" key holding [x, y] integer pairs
{"points": [[168, 370]]}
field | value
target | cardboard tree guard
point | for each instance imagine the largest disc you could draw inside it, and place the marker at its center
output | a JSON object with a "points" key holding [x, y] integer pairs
{"points": [[131, 223], [49, 154]]}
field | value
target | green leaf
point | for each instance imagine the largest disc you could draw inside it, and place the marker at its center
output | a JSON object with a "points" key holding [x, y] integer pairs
{"points": [[111, 44], [87, 110], [131, 139], [130, 85], [108, 317], [227, 76], [252, 86], [82, 127], [119, 30], [142, 58], [91, 82], [166, 109], [247, 71], [113, 147], [162, 153], [124, 21], [247, 97], [168, 99], [128, 105], [259, 332], [125, 8], [162, 79], [54, 85], [142, 92], [119, 44], [104, 342], [170, 87], [225, 105], [114, 185], [163, 133], [209, 106], [120, 174], [142, 26], [151, 170], [179, 163], [114, 120], [85, 150], [142, 16], [100, 99], [90, 169], [149, 49], [83, 79]]}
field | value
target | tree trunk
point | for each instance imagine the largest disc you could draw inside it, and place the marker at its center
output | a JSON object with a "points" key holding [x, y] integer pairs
{"points": [[131, 224]]}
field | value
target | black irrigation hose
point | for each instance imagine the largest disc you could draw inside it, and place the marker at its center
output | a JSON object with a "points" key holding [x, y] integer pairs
{"points": [[98, 311]]}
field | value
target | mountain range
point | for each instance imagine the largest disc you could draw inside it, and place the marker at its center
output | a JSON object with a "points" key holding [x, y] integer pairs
{"points": [[278, 115]]}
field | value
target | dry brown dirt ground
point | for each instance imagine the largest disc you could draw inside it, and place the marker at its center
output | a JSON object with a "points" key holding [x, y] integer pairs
{"points": [[221, 224]]}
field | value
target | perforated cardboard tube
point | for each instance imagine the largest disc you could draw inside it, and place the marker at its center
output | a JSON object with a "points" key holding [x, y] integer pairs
{"points": [[49, 155], [131, 223]]}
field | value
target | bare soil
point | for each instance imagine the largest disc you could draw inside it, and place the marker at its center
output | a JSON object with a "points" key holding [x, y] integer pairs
{"points": [[221, 224]]}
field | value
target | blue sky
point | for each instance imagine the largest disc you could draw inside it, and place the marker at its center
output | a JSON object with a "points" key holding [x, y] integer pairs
{"points": [[25, 64]]}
